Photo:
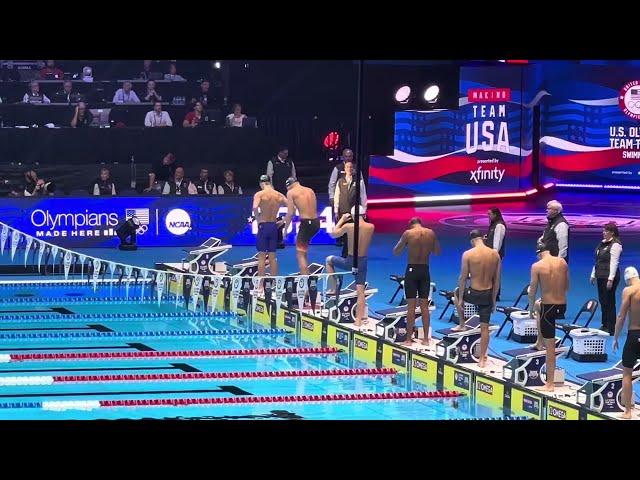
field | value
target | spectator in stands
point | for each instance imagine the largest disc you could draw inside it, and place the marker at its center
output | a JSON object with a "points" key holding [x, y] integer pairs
{"points": [[157, 117], [178, 185], [203, 186], [173, 74], [193, 119], [67, 95], [35, 186], [147, 69], [235, 119], [51, 72], [203, 96], [87, 74], [161, 171], [152, 95], [82, 116], [103, 185], [279, 168], [125, 94], [34, 95], [229, 186]]}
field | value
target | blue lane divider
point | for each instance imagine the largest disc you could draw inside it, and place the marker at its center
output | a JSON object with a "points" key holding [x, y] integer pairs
{"points": [[507, 417], [111, 316], [131, 299], [146, 333], [6, 405]]}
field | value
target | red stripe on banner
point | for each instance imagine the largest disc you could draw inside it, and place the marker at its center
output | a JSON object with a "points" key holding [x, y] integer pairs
{"points": [[352, 397], [173, 354], [585, 161], [434, 169], [152, 377]]}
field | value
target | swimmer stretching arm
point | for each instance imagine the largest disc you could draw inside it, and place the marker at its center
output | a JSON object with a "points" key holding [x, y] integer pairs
{"points": [[339, 230], [279, 223], [496, 283], [533, 288], [622, 316], [291, 210], [464, 274], [255, 211], [399, 248]]}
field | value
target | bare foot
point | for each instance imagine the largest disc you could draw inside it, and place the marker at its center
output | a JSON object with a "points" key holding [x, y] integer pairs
{"points": [[482, 363], [408, 343], [459, 328], [548, 387], [626, 415], [536, 346], [426, 341]]}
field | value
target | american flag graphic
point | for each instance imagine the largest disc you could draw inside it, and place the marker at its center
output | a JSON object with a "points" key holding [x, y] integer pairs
{"points": [[141, 214]]}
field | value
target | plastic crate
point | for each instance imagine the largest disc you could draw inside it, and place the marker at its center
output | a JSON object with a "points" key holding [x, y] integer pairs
{"points": [[589, 341], [524, 325]]}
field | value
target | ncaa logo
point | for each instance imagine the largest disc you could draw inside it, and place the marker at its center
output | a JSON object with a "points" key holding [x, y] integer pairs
{"points": [[178, 221], [629, 99]]}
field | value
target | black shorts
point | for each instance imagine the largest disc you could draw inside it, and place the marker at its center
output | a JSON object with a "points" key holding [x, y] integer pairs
{"points": [[417, 281], [308, 229], [549, 313], [483, 299], [631, 351]]}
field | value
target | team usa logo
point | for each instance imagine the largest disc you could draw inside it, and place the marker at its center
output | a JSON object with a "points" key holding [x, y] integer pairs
{"points": [[629, 99]]}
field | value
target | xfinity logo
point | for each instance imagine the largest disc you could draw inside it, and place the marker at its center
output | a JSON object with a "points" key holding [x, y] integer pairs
{"points": [[482, 174], [361, 344], [259, 308], [178, 221], [307, 325]]}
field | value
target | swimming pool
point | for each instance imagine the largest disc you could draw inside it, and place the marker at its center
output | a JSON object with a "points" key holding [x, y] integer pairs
{"points": [[71, 353]]}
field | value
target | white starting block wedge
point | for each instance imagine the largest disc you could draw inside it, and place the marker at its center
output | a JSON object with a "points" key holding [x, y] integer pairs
{"points": [[341, 308], [603, 388], [462, 346], [526, 366], [247, 267], [201, 260]]}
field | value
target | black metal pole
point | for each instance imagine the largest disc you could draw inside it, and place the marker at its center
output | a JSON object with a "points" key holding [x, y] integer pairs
{"points": [[359, 163]]}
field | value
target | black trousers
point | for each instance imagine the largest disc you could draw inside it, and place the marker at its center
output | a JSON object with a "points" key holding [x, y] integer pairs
{"points": [[607, 300]]}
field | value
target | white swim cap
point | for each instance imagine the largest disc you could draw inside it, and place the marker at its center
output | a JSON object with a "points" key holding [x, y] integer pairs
{"points": [[629, 273], [362, 211]]}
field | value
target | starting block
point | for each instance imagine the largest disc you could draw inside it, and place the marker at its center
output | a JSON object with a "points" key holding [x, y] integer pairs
{"points": [[247, 267], [392, 323], [462, 346], [291, 286], [603, 389], [525, 368], [341, 308], [201, 260]]}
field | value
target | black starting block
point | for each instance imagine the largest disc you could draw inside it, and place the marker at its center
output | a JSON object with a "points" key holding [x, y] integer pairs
{"points": [[291, 286], [343, 310], [392, 323], [603, 390], [462, 346], [525, 368]]}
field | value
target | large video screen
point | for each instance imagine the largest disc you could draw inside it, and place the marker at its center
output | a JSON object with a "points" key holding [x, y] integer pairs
{"points": [[484, 146], [590, 131]]}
